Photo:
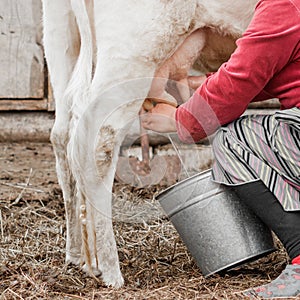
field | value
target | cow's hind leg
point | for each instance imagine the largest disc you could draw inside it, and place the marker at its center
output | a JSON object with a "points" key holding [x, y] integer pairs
{"points": [[61, 51], [95, 145]]}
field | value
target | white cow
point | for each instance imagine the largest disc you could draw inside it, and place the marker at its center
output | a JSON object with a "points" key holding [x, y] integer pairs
{"points": [[102, 56]]}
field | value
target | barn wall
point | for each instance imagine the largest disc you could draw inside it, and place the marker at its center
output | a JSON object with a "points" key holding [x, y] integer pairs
{"points": [[23, 76]]}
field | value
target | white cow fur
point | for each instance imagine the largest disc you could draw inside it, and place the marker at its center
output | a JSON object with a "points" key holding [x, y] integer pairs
{"points": [[93, 50]]}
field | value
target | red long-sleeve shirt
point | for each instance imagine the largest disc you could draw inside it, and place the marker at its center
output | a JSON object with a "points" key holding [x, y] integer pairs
{"points": [[265, 65]]}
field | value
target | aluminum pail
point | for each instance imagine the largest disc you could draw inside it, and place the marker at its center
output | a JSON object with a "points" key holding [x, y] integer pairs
{"points": [[218, 229]]}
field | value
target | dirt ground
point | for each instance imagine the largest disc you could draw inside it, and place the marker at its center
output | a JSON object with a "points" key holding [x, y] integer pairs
{"points": [[154, 262]]}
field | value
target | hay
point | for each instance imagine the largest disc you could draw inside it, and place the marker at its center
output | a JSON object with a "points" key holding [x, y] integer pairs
{"points": [[155, 263]]}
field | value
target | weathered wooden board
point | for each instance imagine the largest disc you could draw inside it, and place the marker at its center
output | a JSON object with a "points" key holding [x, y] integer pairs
{"points": [[24, 104], [25, 126], [21, 52]]}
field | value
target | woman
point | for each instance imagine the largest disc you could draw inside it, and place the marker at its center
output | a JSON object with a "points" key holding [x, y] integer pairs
{"points": [[258, 155]]}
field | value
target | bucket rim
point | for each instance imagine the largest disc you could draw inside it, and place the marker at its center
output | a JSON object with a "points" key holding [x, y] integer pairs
{"points": [[193, 201], [178, 184]]}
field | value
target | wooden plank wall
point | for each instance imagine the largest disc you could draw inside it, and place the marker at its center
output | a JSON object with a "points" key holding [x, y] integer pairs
{"points": [[23, 77]]}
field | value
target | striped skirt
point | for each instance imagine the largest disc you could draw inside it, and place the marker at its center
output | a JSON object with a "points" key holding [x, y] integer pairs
{"points": [[262, 147]]}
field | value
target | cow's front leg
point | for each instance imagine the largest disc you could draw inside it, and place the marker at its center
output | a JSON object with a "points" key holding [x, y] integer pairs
{"points": [[61, 50]]}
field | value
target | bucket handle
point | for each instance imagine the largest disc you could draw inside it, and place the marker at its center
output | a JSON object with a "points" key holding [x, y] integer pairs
{"points": [[195, 200]]}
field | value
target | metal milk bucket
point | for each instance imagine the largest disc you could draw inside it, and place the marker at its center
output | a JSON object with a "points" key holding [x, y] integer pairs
{"points": [[218, 229]]}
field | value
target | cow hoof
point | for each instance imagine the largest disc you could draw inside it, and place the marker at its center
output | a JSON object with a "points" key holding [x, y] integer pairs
{"points": [[73, 259], [113, 280], [93, 271]]}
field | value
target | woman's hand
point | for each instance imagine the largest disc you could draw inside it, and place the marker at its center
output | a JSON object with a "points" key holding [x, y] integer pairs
{"points": [[160, 118], [195, 81]]}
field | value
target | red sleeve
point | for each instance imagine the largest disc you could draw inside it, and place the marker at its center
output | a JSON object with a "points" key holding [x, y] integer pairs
{"points": [[264, 50]]}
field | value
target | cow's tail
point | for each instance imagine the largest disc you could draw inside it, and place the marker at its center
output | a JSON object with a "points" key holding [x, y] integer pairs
{"points": [[80, 83], [78, 93]]}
